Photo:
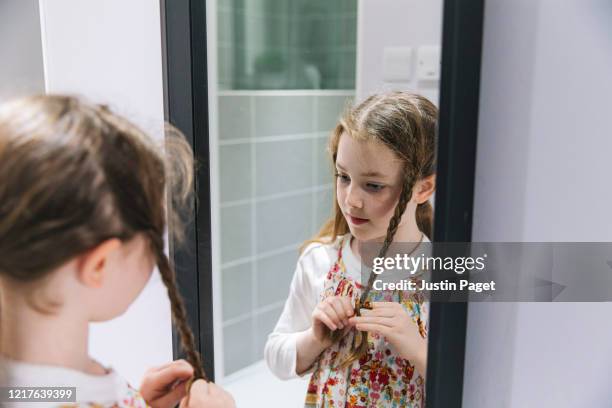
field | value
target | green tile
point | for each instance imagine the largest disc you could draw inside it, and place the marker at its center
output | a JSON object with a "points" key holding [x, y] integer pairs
{"points": [[237, 349], [274, 274], [283, 115], [235, 172], [298, 43], [264, 324], [284, 221], [284, 166], [236, 290], [236, 232]]}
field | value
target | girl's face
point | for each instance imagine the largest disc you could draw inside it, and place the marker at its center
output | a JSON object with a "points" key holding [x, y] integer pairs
{"points": [[368, 185]]}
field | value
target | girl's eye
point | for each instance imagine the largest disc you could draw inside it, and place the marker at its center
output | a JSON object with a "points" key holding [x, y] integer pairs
{"points": [[374, 187], [343, 178]]}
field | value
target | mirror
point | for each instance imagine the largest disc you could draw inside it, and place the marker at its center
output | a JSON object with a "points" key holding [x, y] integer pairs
{"points": [[284, 73]]}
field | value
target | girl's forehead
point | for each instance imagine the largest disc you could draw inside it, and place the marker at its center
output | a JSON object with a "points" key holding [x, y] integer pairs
{"points": [[367, 157]]}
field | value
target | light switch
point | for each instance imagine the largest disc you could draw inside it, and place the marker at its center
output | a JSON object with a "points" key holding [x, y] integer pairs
{"points": [[397, 64], [428, 63]]}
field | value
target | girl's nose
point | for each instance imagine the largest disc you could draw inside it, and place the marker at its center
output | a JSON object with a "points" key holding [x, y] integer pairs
{"points": [[353, 199]]}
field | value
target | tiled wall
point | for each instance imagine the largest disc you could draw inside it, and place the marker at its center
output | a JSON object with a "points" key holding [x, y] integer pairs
{"points": [[280, 44], [275, 191]]}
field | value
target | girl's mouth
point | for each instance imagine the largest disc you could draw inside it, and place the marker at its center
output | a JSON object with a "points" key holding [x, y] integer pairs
{"points": [[356, 220]]}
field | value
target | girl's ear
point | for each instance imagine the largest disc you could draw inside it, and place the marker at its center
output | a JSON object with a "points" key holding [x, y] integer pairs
{"points": [[424, 188], [92, 265]]}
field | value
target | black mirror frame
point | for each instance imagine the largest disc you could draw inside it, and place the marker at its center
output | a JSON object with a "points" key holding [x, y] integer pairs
{"points": [[186, 107], [457, 140]]}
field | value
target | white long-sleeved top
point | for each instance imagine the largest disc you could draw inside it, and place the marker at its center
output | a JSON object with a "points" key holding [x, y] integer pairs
{"points": [[304, 294]]}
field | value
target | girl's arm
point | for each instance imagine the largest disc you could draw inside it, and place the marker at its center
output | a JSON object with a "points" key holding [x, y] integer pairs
{"points": [[281, 350], [302, 331], [308, 350]]}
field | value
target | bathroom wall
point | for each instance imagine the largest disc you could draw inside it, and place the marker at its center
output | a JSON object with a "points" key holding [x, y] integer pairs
{"points": [[275, 193], [395, 23], [110, 52], [542, 160], [21, 70]]}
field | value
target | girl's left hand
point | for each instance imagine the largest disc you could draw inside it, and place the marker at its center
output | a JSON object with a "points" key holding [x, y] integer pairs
{"points": [[163, 386], [392, 321]]}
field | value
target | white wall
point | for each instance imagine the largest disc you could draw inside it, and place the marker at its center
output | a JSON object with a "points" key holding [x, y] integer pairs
{"points": [[21, 67], [393, 23], [541, 175], [110, 51]]}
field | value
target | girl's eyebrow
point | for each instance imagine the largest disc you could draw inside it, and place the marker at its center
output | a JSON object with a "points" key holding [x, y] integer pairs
{"points": [[367, 174]]}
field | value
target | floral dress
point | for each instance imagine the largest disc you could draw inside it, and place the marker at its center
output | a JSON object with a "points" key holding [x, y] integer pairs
{"points": [[379, 378]]}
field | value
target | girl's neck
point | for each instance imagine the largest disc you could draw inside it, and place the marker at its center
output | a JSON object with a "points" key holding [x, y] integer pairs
{"points": [[56, 339], [405, 233]]}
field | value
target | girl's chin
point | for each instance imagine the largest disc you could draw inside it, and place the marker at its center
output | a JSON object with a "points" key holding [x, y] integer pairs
{"points": [[365, 235], [361, 235]]}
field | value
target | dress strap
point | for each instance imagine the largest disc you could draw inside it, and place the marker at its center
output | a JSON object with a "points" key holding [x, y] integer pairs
{"points": [[340, 246]]}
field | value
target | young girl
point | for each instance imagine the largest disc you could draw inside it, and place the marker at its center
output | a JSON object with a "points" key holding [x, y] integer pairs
{"points": [[383, 153], [82, 220]]}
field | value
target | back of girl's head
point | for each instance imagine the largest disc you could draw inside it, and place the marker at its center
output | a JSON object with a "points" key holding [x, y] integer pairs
{"points": [[73, 175], [405, 123]]}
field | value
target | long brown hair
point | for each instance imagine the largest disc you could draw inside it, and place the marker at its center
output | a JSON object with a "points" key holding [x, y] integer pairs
{"points": [[73, 175], [406, 124]]}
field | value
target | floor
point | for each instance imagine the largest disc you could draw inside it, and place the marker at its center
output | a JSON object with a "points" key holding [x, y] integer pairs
{"points": [[256, 386]]}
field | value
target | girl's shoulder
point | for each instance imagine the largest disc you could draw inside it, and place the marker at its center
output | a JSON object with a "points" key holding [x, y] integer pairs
{"points": [[322, 245], [321, 254]]}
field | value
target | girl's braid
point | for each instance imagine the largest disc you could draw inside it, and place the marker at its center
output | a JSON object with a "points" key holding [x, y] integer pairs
{"points": [[405, 197], [360, 344], [179, 315]]}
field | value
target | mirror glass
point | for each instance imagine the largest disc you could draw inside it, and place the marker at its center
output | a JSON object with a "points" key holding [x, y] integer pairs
{"points": [[284, 72]]}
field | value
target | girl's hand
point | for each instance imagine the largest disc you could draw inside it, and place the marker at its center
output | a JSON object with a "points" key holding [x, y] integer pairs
{"points": [[392, 321], [331, 314], [207, 395], [163, 386]]}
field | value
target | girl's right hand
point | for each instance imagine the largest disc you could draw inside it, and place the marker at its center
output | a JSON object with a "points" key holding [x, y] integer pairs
{"points": [[203, 394], [331, 314]]}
